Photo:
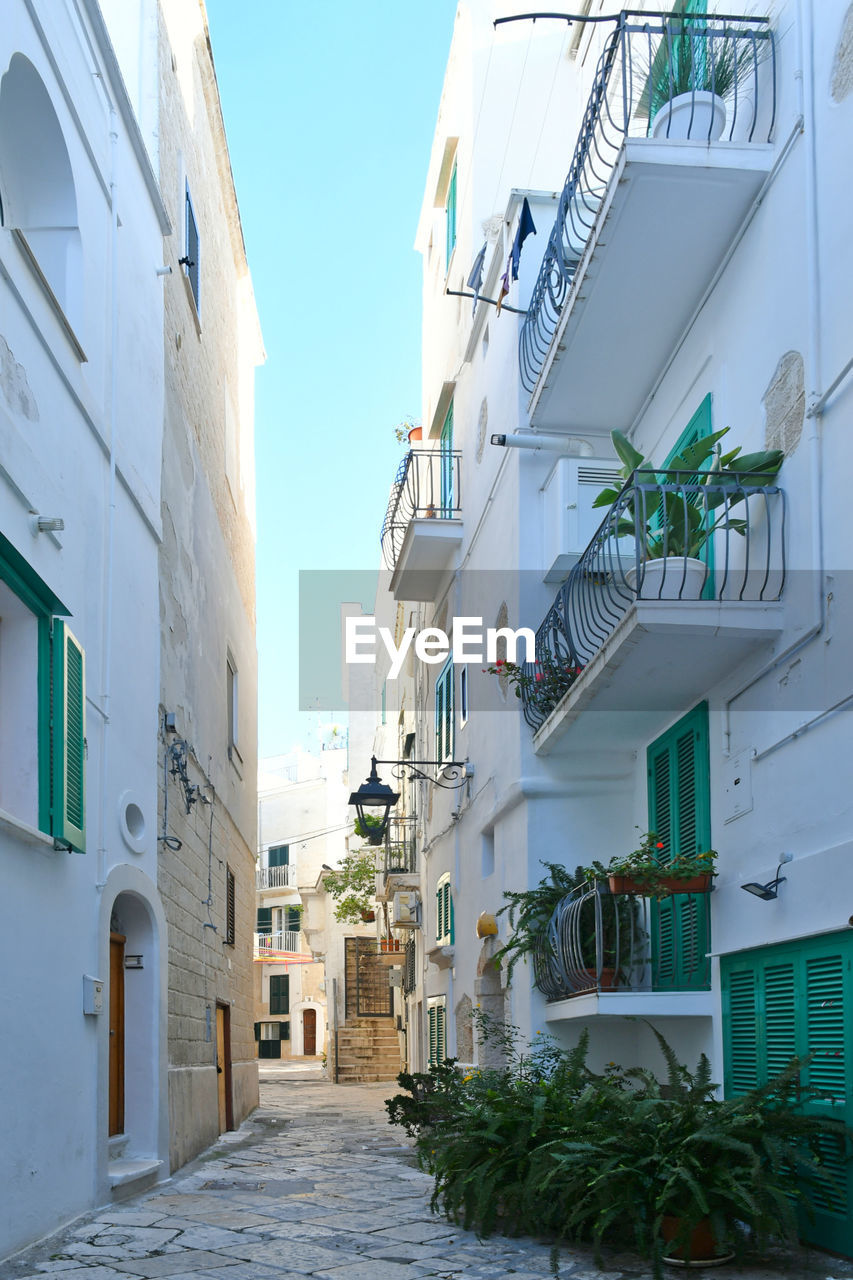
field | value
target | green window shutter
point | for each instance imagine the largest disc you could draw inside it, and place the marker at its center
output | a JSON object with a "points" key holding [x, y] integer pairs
{"points": [[279, 856], [285, 1030], [779, 1018], [279, 993], [680, 816], [446, 464], [257, 1031], [439, 913], [444, 712], [450, 211], [439, 719], [292, 919], [450, 914], [440, 1032], [739, 1016], [433, 1041], [264, 920], [68, 738]]}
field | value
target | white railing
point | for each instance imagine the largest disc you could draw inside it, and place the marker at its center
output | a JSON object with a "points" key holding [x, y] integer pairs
{"points": [[269, 944], [275, 878]]}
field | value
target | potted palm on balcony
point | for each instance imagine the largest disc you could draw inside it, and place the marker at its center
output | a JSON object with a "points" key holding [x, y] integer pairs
{"points": [[673, 523]]}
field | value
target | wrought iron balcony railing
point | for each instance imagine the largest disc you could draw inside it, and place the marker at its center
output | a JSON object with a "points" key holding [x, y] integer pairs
{"points": [[669, 536], [275, 877], [427, 486], [601, 941], [398, 856], [652, 66]]}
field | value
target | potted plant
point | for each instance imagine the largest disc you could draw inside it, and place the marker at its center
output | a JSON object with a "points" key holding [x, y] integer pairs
{"points": [[648, 872], [694, 69], [353, 886], [543, 685], [678, 522], [409, 429], [369, 829], [531, 912]]}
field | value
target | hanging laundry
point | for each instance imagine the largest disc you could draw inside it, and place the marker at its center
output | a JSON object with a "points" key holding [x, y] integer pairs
{"points": [[475, 276], [504, 289], [526, 226]]}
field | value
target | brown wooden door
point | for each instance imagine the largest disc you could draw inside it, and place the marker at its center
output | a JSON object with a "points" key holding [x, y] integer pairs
{"points": [[223, 1066], [116, 1101], [309, 1032]]}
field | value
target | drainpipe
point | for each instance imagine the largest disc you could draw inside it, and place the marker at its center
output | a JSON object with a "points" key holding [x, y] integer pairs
{"points": [[107, 590], [804, 76], [569, 445]]}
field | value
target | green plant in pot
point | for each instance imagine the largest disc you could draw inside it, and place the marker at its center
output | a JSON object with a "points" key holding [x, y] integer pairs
{"points": [[673, 517], [602, 933], [353, 886], [370, 828], [696, 67], [653, 873]]}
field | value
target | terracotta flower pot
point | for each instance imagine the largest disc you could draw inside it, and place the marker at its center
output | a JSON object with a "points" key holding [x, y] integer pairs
{"points": [[699, 1250], [667, 885], [416, 433]]}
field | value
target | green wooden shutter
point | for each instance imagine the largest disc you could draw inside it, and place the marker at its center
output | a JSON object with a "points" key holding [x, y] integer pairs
{"points": [[446, 463], [440, 1032], [450, 211], [449, 914], [444, 713], [787, 1001], [285, 1030], [279, 856], [279, 993], [432, 1013], [68, 738], [680, 816], [292, 919], [264, 920]]}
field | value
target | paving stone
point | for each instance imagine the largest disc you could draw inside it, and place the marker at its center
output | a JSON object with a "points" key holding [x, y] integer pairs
{"points": [[172, 1263]]}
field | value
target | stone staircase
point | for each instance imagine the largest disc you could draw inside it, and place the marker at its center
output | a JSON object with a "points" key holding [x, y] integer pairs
{"points": [[368, 1050]]}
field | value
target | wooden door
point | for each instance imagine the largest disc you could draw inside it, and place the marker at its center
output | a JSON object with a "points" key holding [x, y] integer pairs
{"points": [[116, 1073], [223, 1066], [309, 1032]]}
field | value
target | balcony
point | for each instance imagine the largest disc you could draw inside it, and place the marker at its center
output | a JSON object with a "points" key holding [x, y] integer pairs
{"points": [[396, 861], [275, 947], [639, 638], [648, 211], [617, 955], [422, 530], [275, 878]]}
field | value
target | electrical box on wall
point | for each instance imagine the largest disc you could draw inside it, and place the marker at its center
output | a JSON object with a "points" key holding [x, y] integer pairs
{"points": [[93, 994], [405, 910], [569, 518]]}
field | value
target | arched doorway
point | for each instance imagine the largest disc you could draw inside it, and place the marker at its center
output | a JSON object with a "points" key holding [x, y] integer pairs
{"points": [[309, 1032]]}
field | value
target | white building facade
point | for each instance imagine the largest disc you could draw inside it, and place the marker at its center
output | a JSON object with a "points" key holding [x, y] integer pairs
{"points": [[685, 277], [81, 411]]}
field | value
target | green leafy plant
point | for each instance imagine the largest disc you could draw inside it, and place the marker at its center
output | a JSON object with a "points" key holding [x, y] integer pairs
{"points": [[544, 685], [369, 828], [353, 886], [530, 911], [649, 868], [677, 521], [547, 1146], [689, 60]]}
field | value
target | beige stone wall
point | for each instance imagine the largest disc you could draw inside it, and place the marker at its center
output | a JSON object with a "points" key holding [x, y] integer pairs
{"points": [[207, 596]]}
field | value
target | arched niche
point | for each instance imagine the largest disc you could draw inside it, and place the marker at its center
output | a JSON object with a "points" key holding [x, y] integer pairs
{"points": [[37, 193]]}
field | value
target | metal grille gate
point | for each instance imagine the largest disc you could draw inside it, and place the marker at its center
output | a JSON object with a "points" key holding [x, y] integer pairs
{"points": [[368, 981]]}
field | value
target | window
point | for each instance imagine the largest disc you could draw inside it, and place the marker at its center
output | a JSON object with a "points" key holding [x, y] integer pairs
{"points": [[263, 923], [450, 218], [437, 1016], [444, 713], [279, 993], [287, 920], [230, 905], [444, 912], [192, 250], [448, 486], [269, 1036], [43, 697], [463, 696], [232, 709], [278, 856], [680, 816]]}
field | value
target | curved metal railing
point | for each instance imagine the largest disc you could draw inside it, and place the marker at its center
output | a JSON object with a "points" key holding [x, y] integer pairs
{"points": [[647, 63], [669, 535], [602, 941], [427, 486]]}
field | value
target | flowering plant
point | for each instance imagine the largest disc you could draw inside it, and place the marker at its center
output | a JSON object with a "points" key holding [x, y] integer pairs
{"points": [[650, 868], [543, 682]]}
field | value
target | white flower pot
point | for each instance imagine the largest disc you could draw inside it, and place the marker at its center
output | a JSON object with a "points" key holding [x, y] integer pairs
{"points": [[670, 578], [699, 116]]}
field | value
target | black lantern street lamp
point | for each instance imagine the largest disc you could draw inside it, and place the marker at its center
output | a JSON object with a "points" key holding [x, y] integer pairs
{"points": [[376, 794]]}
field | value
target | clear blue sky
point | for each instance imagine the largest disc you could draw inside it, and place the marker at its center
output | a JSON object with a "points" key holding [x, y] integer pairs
{"points": [[329, 110]]}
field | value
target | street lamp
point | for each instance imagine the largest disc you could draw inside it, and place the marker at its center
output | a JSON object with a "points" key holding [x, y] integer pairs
{"points": [[376, 794]]}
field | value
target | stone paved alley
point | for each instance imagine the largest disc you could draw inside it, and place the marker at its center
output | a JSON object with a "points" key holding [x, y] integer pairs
{"points": [[316, 1184]]}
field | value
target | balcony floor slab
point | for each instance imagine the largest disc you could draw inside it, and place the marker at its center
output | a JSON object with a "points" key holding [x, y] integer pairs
{"points": [[428, 549], [633, 1004], [661, 657], [670, 212]]}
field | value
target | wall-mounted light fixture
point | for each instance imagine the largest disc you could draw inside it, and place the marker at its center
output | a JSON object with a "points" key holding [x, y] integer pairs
{"points": [[46, 524], [767, 892], [376, 794], [132, 962]]}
